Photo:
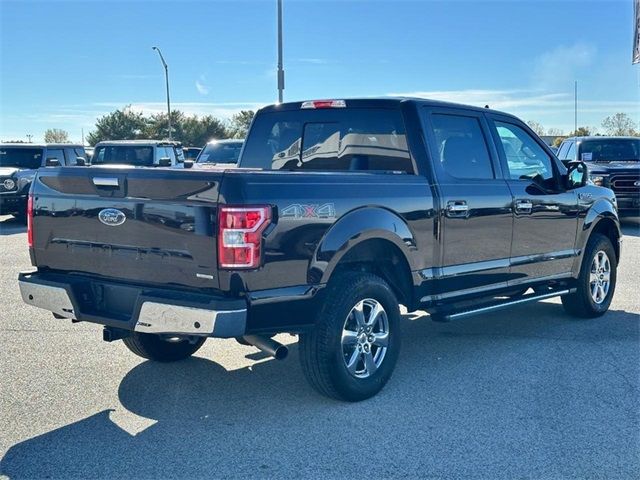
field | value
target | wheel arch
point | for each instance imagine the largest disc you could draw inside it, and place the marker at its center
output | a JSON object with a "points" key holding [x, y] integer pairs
{"points": [[373, 240]]}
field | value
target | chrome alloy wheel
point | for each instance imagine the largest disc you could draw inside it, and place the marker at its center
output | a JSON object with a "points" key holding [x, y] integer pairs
{"points": [[600, 277], [365, 338]]}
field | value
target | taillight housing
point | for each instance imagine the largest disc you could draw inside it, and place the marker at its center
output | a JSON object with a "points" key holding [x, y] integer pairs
{"points": [[240, 235], [30, 221]]}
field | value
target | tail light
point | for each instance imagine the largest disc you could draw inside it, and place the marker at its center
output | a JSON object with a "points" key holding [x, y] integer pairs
{"points": [[240, 236], [30, 221]]}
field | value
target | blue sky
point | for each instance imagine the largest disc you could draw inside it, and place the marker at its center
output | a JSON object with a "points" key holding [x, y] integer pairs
{"points": [[65, 63]]}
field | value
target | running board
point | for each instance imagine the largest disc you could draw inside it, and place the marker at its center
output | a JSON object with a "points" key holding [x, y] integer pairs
{"points": [[446, 317]]}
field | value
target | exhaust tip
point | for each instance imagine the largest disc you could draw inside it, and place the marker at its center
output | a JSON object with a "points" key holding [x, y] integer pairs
{"points": [[281, 352]]}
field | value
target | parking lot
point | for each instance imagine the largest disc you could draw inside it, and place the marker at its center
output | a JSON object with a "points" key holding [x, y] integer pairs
{"points": [[524, 393]]}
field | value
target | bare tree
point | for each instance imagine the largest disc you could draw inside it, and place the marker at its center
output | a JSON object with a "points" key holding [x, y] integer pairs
{"points": [[620, 124], [555, 132], [56, 135], [536, 127]]}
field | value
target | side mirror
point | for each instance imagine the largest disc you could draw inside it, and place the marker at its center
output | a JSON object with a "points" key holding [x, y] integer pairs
{"points": [[164, 162], [52, 162], [80, 161], [188, 163], [577, 174]]}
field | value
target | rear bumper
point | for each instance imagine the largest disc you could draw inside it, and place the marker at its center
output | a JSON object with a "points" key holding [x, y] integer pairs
{"points": [[135, 308]]}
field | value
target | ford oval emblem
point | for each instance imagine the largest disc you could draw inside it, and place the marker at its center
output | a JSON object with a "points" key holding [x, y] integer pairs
{"points": [[636, 184], [112, 217]]}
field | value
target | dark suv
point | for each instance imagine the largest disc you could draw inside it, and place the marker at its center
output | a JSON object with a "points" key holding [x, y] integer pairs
{"points": [[18, 165], [613, 162]]}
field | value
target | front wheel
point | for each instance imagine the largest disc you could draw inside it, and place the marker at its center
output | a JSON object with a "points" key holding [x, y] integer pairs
{"points": [[351, 352], [162, 348], [597, 280]]}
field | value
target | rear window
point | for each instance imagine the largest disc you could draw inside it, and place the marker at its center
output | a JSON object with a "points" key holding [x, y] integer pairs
{"points": [[216, 152], [610, 150], [20, 157], [123, 154], [329, 140]]}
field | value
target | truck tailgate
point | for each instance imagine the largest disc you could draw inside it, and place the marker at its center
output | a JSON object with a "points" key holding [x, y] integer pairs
{"points": [[139, 225]]}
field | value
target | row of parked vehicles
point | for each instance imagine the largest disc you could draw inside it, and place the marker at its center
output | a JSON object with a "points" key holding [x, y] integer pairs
{"points": [[20, 161], [339, 211]]}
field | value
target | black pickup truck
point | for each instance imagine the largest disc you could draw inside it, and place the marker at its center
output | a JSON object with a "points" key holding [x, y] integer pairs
{"points": [[341, 210], [613, 162]]}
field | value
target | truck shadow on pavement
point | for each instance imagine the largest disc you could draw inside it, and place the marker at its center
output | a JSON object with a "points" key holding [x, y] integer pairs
{"points": [[489, 397], [10, 226]]}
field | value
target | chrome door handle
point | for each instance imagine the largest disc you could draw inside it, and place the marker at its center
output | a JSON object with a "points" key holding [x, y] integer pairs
{"points": [[105, 181], [524, 206], [457, 209]]}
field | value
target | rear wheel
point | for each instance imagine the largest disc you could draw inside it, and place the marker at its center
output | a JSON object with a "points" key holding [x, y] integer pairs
{"points": [[352, 350], [162, 348], [597, 280]]}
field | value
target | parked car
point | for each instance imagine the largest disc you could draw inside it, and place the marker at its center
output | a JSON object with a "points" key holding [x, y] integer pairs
{"points": [[218, 153], [340, 211], [614, 162], [138, 153], [191, 153], [18, 164]]}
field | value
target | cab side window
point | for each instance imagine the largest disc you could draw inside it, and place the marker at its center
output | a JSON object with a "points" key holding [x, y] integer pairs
{"points": [[57, 154], [526, 159], [571, 154], [462, 148], [564, 148]]}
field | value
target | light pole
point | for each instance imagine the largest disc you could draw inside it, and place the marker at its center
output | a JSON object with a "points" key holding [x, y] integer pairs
{"points": [[166, 76], [280, 70]]}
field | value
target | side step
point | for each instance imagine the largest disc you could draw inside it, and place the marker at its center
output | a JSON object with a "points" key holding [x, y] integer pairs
{"points": [[447, 316]]}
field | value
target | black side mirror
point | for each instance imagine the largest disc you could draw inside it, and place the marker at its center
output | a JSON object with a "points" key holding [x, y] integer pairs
{"points": [[52, 162], [188, 163], [80, 161], [577, 174], [164, 162]]}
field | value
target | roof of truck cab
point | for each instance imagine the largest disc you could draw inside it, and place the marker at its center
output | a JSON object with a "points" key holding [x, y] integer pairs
{"points": [[111, 143], [602, 137], [42, 145], [383, 102]]}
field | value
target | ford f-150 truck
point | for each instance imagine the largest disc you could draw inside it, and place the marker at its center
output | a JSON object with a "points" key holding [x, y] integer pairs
{"points": [[341, 211]]}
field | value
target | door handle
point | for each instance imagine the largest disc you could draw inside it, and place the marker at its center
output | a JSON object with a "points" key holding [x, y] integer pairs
{"points": [[457, 209], [524, 206], [105, 181]]}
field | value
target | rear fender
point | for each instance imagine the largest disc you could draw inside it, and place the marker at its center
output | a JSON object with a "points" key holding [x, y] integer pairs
{"points": [[354, 228]]}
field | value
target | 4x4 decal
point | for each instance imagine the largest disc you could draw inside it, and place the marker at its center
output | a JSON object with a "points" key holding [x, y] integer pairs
{"points": [[299, 210]]}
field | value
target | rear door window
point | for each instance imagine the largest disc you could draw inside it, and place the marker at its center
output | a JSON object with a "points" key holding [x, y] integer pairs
{"points": [[462, 150], [329, 140]]}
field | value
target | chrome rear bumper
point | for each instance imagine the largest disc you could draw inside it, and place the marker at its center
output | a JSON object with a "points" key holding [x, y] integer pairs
{"points": [[151, 311]]}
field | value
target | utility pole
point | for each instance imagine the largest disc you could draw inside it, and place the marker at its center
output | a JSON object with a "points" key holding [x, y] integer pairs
{"points": [[82, 130], [280, 70], [575, 108], [29, 137], [166, 77]]}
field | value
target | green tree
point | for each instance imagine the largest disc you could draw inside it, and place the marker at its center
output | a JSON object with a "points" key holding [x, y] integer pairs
{"points": [[197, 131], [122, 124], [240, 122], [56, 135], [536, 127], [157, 127], [620, 124], [581, 132]]}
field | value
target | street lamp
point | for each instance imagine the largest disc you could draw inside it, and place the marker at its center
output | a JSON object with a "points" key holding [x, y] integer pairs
{"points": [[166, 76], [280, 69]]}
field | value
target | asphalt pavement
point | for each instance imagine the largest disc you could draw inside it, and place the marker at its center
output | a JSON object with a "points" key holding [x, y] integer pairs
{"points": [[524, 393]]}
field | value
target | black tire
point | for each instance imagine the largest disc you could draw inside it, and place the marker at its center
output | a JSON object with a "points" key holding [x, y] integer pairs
{"points": [[581, 303], [322, 354], [161, 349]]}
